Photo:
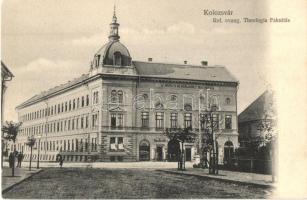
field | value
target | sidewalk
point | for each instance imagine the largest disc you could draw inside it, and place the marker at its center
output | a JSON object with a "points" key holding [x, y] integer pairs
{"points": [[21, 174], [261, 180], [109, 165]]}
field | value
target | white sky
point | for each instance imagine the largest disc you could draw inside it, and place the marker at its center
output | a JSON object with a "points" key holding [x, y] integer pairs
{"points": [[46, 43]]}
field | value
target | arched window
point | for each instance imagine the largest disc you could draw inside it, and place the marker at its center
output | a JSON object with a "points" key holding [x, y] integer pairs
{"points": [[159, 105], [187, 107], [113, 96], [117, 59], [145, 96], [227, 100], [173, 98], [120, 96]]}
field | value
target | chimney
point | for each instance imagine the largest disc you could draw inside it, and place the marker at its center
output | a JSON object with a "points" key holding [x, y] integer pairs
{"points": [[149, 59], [185, 62], [204, 63]]}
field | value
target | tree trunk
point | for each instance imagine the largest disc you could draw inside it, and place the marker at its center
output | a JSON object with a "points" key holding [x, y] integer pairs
{"points": [[30, 159], [13, 167]]}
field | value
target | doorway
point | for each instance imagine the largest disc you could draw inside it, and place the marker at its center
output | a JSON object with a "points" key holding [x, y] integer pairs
{"points": [[188, 156], [159, 153], [144, 151]]}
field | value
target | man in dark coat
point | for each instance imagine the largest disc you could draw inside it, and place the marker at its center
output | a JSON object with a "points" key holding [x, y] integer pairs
{"points": [[11, 160]]}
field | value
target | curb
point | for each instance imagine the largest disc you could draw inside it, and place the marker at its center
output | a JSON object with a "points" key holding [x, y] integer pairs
{"points": [[10, 187], [220, 179]]}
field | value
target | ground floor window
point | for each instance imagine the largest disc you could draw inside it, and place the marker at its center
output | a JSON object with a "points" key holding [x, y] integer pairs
{"points": [[116, 143]]}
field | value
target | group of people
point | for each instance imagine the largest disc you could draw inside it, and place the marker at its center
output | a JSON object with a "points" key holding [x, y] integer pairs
{"points": [[13, 156]]}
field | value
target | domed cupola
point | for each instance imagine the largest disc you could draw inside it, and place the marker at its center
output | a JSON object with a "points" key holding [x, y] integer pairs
{"points": [[114, 53]]}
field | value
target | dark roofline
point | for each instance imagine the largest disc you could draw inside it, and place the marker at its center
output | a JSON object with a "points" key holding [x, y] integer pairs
{"points": [[179, 64], [188, 65], [249, 105], [6, 69], [56, 92], [29, 102]]}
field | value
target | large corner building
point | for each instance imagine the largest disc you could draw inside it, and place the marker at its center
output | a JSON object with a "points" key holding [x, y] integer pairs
{"points": [[118, 111]]}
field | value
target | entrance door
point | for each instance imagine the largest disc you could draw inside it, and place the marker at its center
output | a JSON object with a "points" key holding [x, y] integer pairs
{"points": [[173, 150], [159, 153], [144, 151], [188, 156]]}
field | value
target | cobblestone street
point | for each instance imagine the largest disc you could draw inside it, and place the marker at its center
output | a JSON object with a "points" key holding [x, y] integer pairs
{"points": [[126, 183]]}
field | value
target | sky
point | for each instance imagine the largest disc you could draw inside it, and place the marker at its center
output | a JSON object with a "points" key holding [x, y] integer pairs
{"points": [[47, 43]]}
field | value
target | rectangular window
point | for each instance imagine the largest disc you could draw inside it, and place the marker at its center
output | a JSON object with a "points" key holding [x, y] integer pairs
{"points": [[95, 120], [159, 120], [188, 120], [78, 101], [59, 108], [113, 120], [228, 122], [82, 122], [86, 122], [116, 143], [202, 121], [145, 119], [69, 108], [87, 100], [174, 120], [120, 120], [82, 102], [74, 104], [215, 119], [68, 124], [65, 106]]}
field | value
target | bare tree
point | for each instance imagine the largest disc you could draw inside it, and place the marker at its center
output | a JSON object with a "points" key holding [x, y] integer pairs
{"points": [[30, 143], [10, 131]]}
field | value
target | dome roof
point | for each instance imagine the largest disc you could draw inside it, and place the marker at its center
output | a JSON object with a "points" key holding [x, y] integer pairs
{"points": [[110, 51]]}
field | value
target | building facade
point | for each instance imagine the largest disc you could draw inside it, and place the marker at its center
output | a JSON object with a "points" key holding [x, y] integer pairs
{"points": [[120, 109]]}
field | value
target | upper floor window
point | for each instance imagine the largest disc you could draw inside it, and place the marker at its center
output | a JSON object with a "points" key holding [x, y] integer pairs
{"points": [[159, 120], [173, 98], [117, 59], [187, 107], [82, 102], [174, 120], [228, 122], [95, 97], [95, 120], [87, 100], [159, 105], [117, 120], [202, 121], [187, 120], [145, 119], [113, 96], [227, 101], [120, 96], [73, 104]]}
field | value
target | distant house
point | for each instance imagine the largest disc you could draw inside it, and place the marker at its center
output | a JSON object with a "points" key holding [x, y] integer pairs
{"points": [[6, 75], [250, 120]]}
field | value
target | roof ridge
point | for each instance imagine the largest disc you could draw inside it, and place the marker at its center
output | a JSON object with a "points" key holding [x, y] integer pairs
{"points": [[187, 65]]}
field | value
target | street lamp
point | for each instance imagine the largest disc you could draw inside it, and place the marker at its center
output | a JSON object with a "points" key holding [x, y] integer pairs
{"points": [[38, 150]]}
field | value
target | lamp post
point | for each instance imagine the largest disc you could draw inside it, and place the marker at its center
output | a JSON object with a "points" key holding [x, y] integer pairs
{"points": [[38, 150]]}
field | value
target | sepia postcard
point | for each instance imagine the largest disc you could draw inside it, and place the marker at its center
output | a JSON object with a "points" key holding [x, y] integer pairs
{"points": [[157, 99]]}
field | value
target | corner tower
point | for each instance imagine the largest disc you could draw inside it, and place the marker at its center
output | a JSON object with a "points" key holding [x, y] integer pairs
{"points": [[113, 53]]}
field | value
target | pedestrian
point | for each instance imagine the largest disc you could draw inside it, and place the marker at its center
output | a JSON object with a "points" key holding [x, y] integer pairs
{"points": [[19, 159], [61, 160], [11, 160]]}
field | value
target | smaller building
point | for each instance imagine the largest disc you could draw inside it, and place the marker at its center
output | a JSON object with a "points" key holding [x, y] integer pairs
{"points": [[250, 120]]}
